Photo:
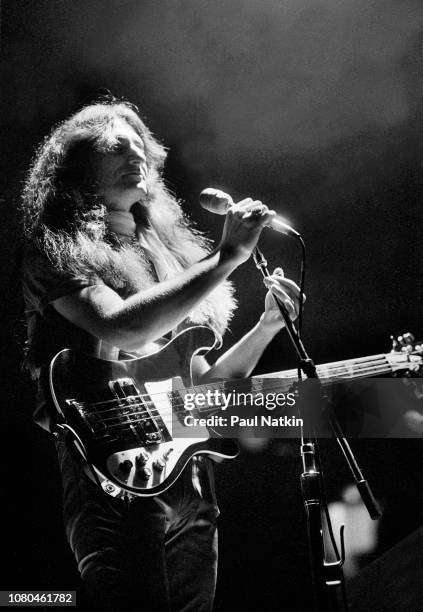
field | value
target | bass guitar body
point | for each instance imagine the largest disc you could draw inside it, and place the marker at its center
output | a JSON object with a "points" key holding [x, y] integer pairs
{"points": [[127, 416]]}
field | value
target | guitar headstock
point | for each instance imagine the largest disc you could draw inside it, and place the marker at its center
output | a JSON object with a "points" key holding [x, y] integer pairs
{"points": [[406, 354]]}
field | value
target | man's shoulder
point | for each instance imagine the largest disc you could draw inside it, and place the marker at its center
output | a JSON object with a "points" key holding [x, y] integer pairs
{"points": [[31, 255], [35, 265], [43, 282]]}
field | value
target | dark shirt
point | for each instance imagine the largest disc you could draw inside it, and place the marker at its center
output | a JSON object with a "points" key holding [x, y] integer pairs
{"points": [[48, 332]]}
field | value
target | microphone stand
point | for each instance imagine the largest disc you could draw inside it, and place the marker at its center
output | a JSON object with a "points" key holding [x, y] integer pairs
{"points": [[326, 577]]}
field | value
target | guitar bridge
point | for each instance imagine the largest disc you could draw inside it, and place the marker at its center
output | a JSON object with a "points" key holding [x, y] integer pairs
{"points": [[93, 421]]}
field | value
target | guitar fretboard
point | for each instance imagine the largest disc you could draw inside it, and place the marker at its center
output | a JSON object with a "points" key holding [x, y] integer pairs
{"points": [[361, 367]]}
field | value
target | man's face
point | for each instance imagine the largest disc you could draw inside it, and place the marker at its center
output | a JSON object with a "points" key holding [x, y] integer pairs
{"points": [[121, 173]]}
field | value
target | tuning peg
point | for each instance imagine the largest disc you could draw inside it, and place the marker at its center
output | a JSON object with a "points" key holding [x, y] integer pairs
{"points": [[395, 344], [404, 343], [409, 338]]}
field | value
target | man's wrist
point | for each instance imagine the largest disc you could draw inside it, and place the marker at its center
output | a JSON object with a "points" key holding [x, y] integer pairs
{"points": [[269, 327], [231, 255]]}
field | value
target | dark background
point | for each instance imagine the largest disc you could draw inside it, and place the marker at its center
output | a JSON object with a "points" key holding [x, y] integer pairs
{"points": [[313, 107]]}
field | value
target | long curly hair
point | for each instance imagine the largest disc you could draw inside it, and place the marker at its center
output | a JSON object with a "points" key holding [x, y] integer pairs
{"points": [[65, 218]]}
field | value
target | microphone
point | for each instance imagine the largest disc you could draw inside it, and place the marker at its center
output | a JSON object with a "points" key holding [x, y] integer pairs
{"points": [[218, 202]]}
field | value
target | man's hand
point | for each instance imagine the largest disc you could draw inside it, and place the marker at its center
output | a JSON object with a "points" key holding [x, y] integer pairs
{"points": [[243, 225], [287, 292]]}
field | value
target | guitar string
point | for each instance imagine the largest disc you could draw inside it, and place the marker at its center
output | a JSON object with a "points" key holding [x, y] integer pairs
{"points": [[292, 374], [175, 405], [363, 367], [146, 417], [326, 369], [148, 398]]}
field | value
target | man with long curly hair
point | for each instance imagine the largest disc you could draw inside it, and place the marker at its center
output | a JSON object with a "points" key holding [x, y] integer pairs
{"points": [[111, 266]]}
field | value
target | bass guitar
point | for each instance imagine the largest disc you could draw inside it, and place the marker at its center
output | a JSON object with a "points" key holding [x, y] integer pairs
{"points": [[127, 416]]}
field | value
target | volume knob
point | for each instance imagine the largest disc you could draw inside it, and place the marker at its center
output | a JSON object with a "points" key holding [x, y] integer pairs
{"points": [[142, 458], [125, 466], [144, 473], [167, 453], [159, 464]]}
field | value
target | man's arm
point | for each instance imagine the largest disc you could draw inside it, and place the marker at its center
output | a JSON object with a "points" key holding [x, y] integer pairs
{"points": [[240, 360], [237, 362], [148, 314]]}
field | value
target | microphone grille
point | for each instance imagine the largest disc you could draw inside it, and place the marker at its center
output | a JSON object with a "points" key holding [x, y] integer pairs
{"points": [[215, 200]]}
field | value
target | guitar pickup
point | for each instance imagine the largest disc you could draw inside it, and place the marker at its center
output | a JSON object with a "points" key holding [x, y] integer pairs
{"points": [[124, 388]]}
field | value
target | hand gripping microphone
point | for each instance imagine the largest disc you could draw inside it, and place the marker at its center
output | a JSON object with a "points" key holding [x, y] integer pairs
{"points": [[218, 202]]}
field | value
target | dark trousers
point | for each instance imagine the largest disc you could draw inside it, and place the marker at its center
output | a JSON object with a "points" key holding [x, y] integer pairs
{"points": [[151, 554]]}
